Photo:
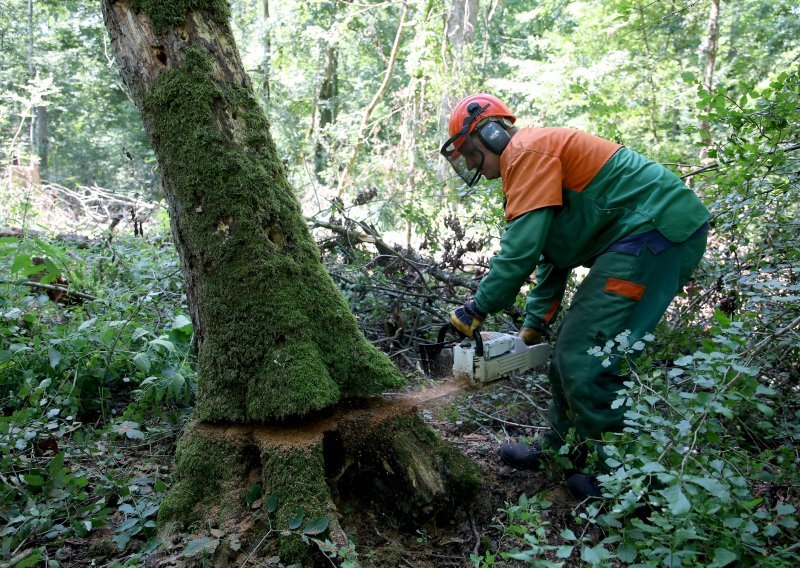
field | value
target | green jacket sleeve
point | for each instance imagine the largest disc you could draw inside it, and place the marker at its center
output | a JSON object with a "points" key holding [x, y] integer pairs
{"points": [[520, 249], [544, 301]]}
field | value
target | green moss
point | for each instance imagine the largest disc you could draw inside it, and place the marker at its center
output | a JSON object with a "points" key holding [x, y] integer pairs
{"points": [[296, 477], [461, 472], [207, 472], [280, 338], [164, 15]]}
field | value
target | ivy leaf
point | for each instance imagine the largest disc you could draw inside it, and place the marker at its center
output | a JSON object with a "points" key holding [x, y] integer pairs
{"points": [[253, 495], [317, 526], [297, 520], [272, 503]]}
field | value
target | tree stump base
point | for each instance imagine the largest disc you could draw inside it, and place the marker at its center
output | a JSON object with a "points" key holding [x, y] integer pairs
{"points": [[376, 453]]}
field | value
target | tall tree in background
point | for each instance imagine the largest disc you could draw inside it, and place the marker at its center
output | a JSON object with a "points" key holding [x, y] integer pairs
{"points": [[276, 340], [710, 55], [459, 35]]}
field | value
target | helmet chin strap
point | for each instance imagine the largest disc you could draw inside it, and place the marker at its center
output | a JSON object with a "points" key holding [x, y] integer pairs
{"points": [[477, 178]]}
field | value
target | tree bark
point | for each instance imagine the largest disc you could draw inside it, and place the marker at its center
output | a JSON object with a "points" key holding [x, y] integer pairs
{"points": [[326, 102], [277, 342], [267, 51], [275, 337], [456, 43], [710, 54]]}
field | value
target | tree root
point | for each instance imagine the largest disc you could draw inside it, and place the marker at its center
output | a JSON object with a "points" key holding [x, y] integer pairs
{"points": [[376, 454]]}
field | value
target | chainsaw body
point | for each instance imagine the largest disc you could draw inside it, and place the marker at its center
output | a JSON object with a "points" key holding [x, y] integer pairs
{"points": [[492, 356]]}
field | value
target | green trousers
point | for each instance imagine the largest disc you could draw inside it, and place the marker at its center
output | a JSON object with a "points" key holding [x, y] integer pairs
{"points": [[621, 292]]}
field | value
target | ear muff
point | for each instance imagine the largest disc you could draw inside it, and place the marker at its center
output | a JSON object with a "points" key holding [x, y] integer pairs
{"points": [[494, 136]]}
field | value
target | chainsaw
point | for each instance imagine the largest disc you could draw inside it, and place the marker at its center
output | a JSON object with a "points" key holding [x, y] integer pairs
{"points": [[487, 357]]}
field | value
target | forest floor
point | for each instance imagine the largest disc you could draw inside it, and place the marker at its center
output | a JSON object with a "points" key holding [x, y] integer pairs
{"points": [[475, 420]]}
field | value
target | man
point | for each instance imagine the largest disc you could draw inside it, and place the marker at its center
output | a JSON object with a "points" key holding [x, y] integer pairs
{"points": [[573, 199]]}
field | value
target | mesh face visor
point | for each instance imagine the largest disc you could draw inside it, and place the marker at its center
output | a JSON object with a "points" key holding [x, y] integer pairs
{"points": [[465, 158]]}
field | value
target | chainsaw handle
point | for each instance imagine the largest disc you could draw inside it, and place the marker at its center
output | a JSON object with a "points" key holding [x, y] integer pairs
{"points": [[443, 332], [478, 343], [476, 336]]}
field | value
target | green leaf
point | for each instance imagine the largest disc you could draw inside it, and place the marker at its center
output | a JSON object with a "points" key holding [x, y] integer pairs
{"points": [[317, 526], [723, 557], [567, 534], [626, 552], [765, 410], [142, 361], [732, 522], [182, 324], [785, 509], [677, 501], [168, 345], [129, 430], [523, 556], [766, 391], [34, 480], [204, 544], [721, 318], [688, 77], [711, 485], [564, 551], [253, 495], [272, 503], [31, 560], [55, 357], [297, 520], [594, 555], [788, 522]]}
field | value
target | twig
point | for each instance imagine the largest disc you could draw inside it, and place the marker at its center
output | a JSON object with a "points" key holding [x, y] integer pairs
{"points": [[503, 421], [762, 344], [477, 536], [65, 291]]}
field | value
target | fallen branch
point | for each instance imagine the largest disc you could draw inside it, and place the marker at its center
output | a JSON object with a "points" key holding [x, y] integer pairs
{"points": [[356, 237], [50, 287]]}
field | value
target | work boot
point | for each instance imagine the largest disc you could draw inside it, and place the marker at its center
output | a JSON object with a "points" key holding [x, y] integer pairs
{"points": [[583, 486], [522, 456]]}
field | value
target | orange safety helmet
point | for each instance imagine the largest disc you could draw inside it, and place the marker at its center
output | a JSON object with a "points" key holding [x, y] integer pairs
{"points": [[478, 114], [490, 106]]}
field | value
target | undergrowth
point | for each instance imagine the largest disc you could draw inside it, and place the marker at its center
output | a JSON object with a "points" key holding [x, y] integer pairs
{"points": [[705, 473], [85, 386]]}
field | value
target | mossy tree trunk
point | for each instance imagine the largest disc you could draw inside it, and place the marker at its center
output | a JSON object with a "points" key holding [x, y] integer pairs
{"points": [[277, 342], [275, 337]]}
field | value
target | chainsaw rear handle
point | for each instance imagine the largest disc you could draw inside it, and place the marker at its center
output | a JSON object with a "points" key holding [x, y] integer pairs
{"points": [[475, 336]]}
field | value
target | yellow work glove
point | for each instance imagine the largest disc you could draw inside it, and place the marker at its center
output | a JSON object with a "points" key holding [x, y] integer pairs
{"points": [[531, 336], [467, 319]]}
